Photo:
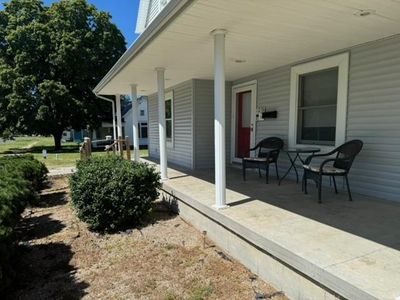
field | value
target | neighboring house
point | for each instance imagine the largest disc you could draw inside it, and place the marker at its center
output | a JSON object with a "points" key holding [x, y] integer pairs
{"points": [[329, 69], [67, 135], [106, 128], [143, 122]]}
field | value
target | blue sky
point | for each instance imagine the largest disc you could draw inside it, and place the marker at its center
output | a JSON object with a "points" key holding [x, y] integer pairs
{"points": [[123, 12]]}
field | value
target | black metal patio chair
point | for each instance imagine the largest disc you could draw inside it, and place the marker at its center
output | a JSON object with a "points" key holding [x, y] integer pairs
{"points": [[339, 165], [268, 153]]}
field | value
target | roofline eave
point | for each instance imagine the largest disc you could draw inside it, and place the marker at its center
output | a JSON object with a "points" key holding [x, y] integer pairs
{"points": [[165, 17]]}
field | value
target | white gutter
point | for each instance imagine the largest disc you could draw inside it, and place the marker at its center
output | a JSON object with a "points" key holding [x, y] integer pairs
{"points": [[163, 19], [113, 114]]}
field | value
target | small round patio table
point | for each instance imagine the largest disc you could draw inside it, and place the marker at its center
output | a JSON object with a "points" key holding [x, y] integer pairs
{"points": [[297, 156]]}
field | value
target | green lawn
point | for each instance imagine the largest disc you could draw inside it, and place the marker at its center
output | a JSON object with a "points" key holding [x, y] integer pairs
{"points": [[67, 157]]}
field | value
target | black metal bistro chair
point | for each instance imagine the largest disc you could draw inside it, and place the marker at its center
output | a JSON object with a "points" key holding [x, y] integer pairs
{"points": [[268, 153], [337, 166]]}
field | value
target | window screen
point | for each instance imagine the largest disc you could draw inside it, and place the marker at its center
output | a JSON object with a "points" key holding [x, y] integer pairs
{"points": [[317, 107]]}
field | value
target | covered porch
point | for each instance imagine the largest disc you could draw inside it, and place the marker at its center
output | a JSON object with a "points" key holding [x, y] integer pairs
{"points": [[201, 52], [309, 250]]}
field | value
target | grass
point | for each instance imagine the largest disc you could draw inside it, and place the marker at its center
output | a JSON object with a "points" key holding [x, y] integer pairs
{"points": [[201, 292], [67, 157]]}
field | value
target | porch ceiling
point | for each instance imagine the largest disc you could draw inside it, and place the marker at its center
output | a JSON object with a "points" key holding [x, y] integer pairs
{"points": [[265, 33]]}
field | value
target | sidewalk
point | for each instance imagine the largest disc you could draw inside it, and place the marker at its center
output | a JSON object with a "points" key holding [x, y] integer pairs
{"points": [[61, 171]]}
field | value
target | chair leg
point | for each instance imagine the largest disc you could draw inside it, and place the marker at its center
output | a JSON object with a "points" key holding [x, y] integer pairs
{"points": [[266, 173], [244, 170], [319, 188], [276, 170], [259, 172], [334, 184], [305, 182], [348, 188]]}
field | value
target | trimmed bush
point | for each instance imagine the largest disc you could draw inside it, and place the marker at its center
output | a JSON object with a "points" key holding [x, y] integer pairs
{"points": [[20, 177], [110, 193], [30, 168]]}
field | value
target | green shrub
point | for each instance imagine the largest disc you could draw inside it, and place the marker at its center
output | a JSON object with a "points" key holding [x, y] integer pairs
{"points": [[19, 178], [110, 193], [30, 168]]}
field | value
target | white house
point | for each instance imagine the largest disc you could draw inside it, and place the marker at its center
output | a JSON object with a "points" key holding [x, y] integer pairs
{"points": [[126, 114], [127, 117], [209, 67]]}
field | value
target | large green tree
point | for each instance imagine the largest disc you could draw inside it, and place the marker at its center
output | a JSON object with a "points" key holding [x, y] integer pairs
{"points": [[50, 60]]}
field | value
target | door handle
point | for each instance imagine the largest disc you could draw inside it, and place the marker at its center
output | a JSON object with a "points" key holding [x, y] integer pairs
{"points": [[251, 127]]}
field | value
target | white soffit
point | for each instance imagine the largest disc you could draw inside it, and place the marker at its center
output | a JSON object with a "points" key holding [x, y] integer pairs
{"points": [[265, 33]]}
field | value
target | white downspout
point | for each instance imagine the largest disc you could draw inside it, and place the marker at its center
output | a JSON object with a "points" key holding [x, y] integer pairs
{"points": [[219, 118], [113, 114], [119, 116]]}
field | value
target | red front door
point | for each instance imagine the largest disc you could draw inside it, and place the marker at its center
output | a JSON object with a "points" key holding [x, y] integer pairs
{"points": [[243, 121]]}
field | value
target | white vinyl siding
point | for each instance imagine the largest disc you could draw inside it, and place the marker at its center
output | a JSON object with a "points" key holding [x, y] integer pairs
{"points": [[153, 11], [182, 150], [373, 114], [148, 11], [203, 91], [374, 117]]}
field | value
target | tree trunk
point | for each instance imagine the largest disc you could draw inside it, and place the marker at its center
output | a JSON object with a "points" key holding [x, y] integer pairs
{"points": [[57, 140]]}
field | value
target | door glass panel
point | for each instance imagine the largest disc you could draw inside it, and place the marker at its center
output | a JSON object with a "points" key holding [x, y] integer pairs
{"points": [[243, 124], [246, 109], [238, 121]]}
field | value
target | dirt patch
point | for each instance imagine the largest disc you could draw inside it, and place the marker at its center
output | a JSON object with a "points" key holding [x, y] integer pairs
{"points": [[165, 259]]}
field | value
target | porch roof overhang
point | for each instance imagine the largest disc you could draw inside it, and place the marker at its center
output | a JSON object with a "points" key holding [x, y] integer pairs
{"points": [[262, 35]]}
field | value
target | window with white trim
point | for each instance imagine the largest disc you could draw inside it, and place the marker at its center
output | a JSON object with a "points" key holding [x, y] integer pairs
{"points": [[143, 130], [169, 118], [318, 102]]}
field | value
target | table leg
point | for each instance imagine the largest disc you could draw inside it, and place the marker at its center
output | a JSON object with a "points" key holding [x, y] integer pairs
{"points": [[294, 166], [291, 166]]}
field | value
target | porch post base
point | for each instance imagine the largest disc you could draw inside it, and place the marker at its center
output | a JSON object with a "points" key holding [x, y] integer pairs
{"points": [[220, 207]]}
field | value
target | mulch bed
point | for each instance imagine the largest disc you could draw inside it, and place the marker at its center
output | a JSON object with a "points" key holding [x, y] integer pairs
{"points": [[167, 258]]}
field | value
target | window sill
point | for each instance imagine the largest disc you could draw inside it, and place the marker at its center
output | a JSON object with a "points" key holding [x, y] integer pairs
{"points": [[170, 144]]}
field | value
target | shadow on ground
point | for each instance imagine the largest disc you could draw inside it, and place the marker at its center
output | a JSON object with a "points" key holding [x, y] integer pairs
{"points": [[43, 271], [54, 199], [38, 227]]}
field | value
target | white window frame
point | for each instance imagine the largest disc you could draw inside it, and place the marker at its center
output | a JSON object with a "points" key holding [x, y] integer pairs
{"points": [[143, 125], [170, 141], [341, 61]]}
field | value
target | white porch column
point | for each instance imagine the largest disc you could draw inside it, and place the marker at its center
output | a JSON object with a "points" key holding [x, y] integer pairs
{"points": [[219, 118], [161, 123], [135, 122], [119, 117]]}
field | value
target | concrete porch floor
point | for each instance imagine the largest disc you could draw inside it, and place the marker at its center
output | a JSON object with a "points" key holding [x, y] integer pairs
{"points": [[349, 248]]}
